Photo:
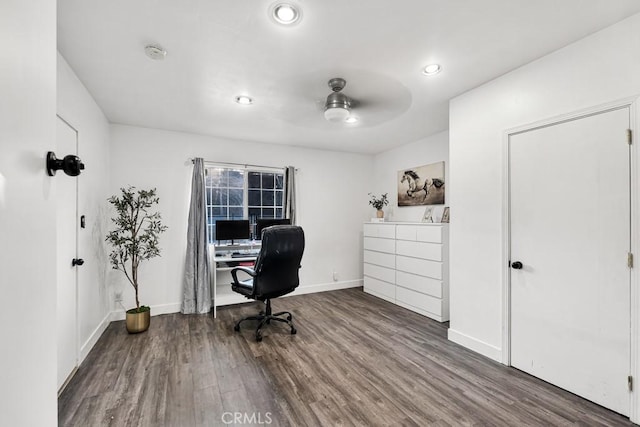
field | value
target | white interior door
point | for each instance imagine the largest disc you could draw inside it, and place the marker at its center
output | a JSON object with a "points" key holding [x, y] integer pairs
{"points": [[66, 217], [570, 229]]}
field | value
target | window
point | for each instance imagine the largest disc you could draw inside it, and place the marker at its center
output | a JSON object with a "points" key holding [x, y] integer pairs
{"points": [[243, 193]]}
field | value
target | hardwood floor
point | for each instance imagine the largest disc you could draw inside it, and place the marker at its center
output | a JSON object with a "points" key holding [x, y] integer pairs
{"points": [[356, 360]]}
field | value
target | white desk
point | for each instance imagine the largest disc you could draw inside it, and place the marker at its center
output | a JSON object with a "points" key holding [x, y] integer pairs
{"points": [[221, 272]]}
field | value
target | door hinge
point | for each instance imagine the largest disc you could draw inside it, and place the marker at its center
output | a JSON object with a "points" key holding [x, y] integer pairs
{"points": [[630, 382], [630, 260], [629, 136]]}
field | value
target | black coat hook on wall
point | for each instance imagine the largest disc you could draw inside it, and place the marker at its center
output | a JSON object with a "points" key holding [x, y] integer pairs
{"points": [[71, 165]]}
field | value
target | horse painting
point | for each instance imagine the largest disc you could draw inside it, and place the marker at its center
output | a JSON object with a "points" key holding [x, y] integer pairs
{"points": [[421, 186], [416, 185]]}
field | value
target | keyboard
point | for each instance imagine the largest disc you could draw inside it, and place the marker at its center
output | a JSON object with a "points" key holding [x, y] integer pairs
{"points": [[247, 255]]}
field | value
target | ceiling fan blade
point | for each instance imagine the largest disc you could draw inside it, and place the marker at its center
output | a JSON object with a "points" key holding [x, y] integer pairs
{"points": [[360, 103]]}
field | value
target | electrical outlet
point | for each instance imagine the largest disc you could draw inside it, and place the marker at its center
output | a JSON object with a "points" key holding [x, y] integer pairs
{"points": [[118, 296], [335, 276]]}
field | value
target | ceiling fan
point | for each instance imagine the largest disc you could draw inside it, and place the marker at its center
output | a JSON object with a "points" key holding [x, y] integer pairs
{"points": [[369, 100], [337, 107]]}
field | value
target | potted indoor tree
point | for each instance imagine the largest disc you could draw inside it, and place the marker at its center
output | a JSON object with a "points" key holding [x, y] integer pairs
{"points": [[135, 239], [379, 203]]}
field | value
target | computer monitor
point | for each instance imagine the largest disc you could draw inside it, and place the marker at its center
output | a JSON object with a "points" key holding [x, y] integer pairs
{"points": [[263, 223], [232, 229]]}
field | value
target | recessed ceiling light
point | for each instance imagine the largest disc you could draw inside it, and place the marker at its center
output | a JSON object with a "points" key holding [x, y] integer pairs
{"points": [[244, 100], [155, 52], [285, 13], [351, 119], [431, 69]]}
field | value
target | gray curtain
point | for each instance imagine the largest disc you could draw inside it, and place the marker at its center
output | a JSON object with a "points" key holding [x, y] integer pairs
{"points": [[196, 294], [290, 196]]}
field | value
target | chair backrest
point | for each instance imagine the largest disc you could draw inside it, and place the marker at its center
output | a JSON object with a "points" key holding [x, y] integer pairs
{"points": [[278, 263]]}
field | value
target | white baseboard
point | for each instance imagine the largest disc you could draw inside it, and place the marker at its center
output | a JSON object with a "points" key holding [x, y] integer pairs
{"points": [[324, 287], [93, 338], [488, 350], [156, 310]]}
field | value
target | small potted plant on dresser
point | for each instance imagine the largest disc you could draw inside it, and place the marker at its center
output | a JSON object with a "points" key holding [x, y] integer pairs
{"points": [[379, 203], [135, 239]]}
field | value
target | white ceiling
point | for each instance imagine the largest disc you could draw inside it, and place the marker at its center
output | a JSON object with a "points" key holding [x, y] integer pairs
{"points": [[218, 49]]}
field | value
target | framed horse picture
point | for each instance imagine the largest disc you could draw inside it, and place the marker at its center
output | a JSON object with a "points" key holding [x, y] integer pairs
{"points": [[422, 185]]}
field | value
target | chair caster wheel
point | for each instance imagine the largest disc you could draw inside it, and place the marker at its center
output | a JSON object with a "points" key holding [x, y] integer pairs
{"points": [[294, 331], [258, 336], [236, 328]]}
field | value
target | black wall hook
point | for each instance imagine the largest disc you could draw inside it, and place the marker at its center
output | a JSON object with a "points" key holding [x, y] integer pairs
{"points": [[71, 165]]}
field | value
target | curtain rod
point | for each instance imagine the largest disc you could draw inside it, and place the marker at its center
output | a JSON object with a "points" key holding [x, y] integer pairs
{"points": [[242, 164]]}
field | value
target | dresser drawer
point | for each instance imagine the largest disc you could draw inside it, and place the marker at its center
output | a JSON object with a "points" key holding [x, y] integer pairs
{"points": [[380, 288], [421, 267], [419, 301], [387, 231], [406, 232], [432, 251], [380, 258], [380, 245], [422, 284], [420, 233], [432, 233], [381, 273]]}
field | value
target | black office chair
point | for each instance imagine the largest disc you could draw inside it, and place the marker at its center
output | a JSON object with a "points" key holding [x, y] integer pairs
{"points": [[274, 274]]}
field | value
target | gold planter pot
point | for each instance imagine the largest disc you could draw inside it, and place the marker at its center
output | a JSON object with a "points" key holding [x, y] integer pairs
{"points": [[138, 322]]}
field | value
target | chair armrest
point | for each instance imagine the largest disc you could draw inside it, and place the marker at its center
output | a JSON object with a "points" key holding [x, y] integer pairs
{"points": [[247, 270]]}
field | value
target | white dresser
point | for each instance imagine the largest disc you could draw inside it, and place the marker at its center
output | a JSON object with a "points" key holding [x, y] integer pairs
{"points": [[407, 264]]}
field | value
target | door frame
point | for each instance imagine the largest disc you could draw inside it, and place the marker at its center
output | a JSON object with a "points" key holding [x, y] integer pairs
{"points": [[634, 305], [76, 314]]}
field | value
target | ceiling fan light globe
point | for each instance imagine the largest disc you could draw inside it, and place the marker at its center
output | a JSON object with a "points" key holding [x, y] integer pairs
{"points": [[336, 114]]}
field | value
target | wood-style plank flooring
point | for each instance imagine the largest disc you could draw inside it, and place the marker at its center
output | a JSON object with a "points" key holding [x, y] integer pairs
{"points": [[356, 360]]}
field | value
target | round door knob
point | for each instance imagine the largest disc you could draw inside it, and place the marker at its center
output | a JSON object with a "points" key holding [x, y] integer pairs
{"points": [[517, 265], [77, 261]]}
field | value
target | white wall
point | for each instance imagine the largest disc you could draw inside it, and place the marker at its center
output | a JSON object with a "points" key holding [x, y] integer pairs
{"points": [[27, 213], [428, 150], [77, 107], [332, 203], [601, 68]]}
